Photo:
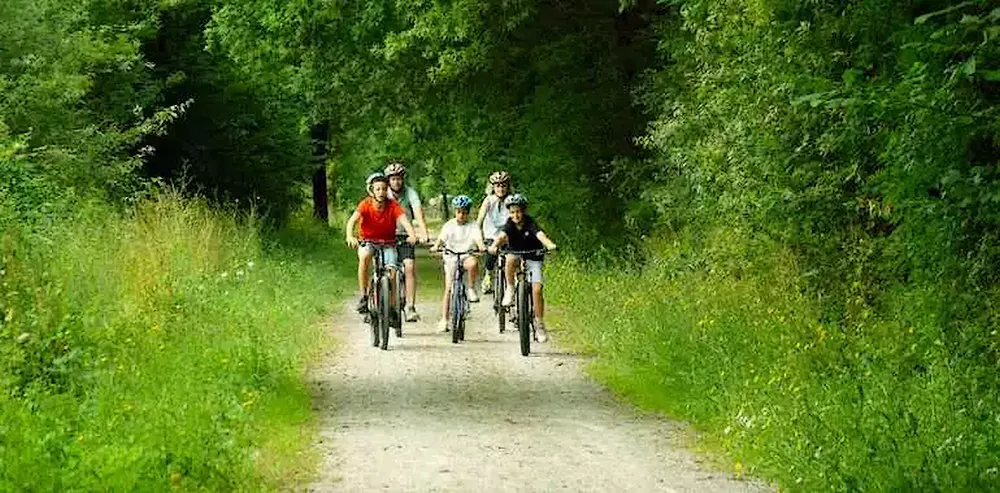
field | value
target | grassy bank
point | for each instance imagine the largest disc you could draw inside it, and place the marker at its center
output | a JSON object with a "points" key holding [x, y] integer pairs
{"points": [[160, 348], [900, 401]]}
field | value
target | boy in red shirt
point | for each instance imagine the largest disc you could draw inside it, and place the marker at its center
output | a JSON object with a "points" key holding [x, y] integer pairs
{"points": [[379, 216]]}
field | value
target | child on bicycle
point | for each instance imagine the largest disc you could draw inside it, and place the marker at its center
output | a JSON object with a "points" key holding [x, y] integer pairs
{"points": [[458, 235], [379, 215], [522, 234], [492, 217]]}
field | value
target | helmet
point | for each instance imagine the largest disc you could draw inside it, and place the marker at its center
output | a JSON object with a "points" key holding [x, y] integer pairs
{"points": [[499, 177], [461, 202], [516, 199], [374, 177], [395, 168]]}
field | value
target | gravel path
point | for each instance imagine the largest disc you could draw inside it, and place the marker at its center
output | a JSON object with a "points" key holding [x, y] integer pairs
{"points": [[430, 416]]}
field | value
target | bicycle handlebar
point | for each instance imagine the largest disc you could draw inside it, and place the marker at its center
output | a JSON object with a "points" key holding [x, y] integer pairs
{"points": [[452, 252], [538, 251]]}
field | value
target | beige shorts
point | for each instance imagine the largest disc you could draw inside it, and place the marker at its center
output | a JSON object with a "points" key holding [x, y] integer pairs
{"points": [[534, 270], [450, 264]]}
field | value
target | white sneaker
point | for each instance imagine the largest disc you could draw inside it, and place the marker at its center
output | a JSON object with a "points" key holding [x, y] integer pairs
{"points": [[508, 298], [443, 325], [471, 294], [540, 332], [487, 286]]}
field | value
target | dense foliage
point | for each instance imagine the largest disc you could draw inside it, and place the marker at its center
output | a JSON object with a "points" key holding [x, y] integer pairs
{"points": [[818, 178]]}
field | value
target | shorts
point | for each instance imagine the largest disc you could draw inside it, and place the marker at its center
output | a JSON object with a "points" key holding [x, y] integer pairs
{"points": [[406, 250], [450, 265], [534, 270], [391, 256]]}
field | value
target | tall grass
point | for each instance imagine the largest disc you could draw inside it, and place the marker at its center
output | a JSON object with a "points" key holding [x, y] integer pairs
{"points": [[159, 348], [899, 401]]}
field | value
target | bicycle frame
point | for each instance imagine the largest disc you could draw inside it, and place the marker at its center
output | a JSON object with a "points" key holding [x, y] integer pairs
{"points": [[380, 296], [524, 305], [459, 300]]}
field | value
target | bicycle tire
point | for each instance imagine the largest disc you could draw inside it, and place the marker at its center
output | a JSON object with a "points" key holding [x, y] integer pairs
{"points": [[524, 316], [373, 317], [400, 302], [383, 311], [457, 308], [499, 309]]}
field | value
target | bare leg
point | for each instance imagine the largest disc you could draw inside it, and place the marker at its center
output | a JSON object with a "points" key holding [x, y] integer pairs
{"points": [[539, 300], [411, 282], [472, 267], [364, 260]]}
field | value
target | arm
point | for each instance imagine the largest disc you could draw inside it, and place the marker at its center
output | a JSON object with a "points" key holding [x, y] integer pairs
{"points": [[499, 242], [440, 239], [545, 241], [349, 229], [412, 235], [479, 241], [482, 213], [418, 213]]}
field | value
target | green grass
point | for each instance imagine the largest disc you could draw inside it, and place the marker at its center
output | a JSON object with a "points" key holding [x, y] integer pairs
{"points": [[733, 345], [162, 348]]}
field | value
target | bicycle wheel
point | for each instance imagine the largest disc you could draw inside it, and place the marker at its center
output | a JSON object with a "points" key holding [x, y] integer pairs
{"points": [[400, 302], [372, 316], [457, 309], [383, 311], [524, 315], [498, 308]]}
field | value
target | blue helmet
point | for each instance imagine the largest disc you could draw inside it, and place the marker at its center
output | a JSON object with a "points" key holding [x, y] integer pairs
{"points": [[516, 199], [461, 202]]}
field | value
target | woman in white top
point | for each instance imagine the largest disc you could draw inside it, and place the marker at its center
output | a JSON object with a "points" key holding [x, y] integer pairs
{"points": [[458, 235], [492, 218]]}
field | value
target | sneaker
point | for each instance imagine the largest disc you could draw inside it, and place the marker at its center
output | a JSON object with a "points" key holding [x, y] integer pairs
{"points": [[471, 294], [411, 314], [540, 333], [487, 286], [362, 305], [443, 325], [508, 298]]}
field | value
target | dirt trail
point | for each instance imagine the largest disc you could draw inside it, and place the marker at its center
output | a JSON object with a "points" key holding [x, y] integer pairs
{"points": [[428, 415]]}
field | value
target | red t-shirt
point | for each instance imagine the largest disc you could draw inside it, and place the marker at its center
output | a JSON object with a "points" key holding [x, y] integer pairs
{"points": [[379, 224]]}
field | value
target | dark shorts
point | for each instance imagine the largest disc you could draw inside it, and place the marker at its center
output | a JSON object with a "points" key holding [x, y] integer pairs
{"points": [[406, 250]]}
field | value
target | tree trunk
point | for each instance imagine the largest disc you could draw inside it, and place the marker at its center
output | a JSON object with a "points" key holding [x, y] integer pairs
{"points": [[319, 134]]}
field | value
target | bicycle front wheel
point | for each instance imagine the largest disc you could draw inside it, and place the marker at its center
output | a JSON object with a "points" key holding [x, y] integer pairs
{"points": [[457, 310], [372, 316], [383, 311], [498, 308], [523, 291]]}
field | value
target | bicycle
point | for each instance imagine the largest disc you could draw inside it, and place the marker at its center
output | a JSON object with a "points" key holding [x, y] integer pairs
{"points": [[499, 284], [523, 302], [459, 302], [381, 312]]}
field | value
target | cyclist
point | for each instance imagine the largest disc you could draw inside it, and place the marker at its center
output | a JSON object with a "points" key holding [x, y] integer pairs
{"points": [[458, 235], [379, 216], [522, 233], [410, 201], [492, 217]]}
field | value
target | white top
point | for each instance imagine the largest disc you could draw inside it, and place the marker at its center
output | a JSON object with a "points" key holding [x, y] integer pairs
{"points": [[410, 201], [496, 217], [459, 237]]}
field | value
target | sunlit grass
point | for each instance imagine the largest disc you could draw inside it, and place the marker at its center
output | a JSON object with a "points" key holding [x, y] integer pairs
{"points": [[894, 403], [163, 348]]}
